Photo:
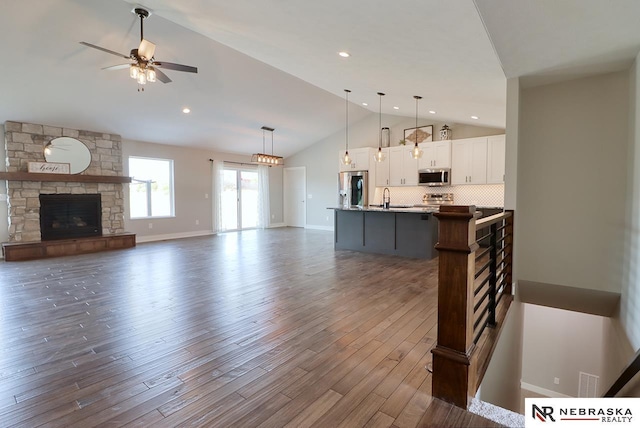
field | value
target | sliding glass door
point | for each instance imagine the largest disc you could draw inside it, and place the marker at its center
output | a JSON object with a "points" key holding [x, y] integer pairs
{"points": [[239, 199]]}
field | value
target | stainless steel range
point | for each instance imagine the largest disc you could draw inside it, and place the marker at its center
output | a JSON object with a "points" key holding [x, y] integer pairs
{"points": [[434, 200]]}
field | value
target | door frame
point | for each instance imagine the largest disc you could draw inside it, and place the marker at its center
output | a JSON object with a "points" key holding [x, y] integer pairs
{"points": [[286, 197]]}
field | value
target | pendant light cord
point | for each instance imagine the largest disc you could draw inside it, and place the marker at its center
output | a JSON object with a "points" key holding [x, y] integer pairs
{"points": [[346, 128], [417, 97], [380, 94]]}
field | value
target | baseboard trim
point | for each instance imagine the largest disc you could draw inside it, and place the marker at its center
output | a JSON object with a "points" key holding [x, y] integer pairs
{"points": [[274, 225], [318, 227], [170, 236], [543, 391]]}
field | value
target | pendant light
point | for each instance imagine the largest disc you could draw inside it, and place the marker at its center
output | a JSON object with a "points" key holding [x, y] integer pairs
{"points": [[416, 153], [346, 159], [380, 156]]}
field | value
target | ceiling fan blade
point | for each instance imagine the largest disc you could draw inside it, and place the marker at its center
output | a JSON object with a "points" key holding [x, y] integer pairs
{"points": [[105, 50], [161, 76], [117, 67], [146, 49], [176, 67]]}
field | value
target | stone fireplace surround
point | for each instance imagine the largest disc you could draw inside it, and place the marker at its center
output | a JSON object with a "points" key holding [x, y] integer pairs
{"points": [[25, 142]]}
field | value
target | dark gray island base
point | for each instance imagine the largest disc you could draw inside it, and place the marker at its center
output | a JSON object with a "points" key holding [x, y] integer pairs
{"points": [[407, 233]]}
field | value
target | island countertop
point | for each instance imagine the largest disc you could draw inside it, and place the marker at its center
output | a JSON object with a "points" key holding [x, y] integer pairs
{"points": [[391, 209]]}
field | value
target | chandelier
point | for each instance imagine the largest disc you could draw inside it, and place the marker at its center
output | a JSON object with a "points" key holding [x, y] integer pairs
{"points": [[266, 159]]}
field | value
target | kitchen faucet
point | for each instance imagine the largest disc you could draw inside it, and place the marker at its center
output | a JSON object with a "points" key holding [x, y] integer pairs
{"points": [[386, 198]]}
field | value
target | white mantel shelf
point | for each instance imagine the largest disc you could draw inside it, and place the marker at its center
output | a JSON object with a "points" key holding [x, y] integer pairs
{"points": [[76, 178]]}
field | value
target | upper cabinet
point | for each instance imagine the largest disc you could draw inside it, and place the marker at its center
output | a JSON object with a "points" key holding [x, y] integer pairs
{"points": [[403, 168], [360, 159], [495, 159], [469, 161], [436, 154], [382, 169]]}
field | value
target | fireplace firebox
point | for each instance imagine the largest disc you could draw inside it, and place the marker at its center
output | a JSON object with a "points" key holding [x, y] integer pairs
{"points": [[65, 216]]}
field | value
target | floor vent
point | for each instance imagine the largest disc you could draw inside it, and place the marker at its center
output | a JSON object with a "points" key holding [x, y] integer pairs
{"points": [[588, 385]]}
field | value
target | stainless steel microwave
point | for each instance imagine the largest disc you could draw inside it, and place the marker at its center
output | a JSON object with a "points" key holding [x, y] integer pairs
{"points": [[434, 177]]}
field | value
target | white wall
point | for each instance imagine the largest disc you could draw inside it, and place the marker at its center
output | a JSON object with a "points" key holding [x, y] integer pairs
{"points": [[192, 190], [511, 138], [630, 306], [556, 144], [501, 383], [572, 152], [550, 351], [276, 196]]}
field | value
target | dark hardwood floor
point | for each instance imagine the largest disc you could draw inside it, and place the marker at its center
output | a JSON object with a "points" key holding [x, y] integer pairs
{"points": [[265, 328]]}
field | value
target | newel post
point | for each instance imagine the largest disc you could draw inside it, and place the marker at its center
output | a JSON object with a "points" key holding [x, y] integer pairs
{"points": [[453, 371]]}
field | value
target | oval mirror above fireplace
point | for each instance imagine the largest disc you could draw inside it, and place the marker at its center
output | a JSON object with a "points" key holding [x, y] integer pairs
{"points": [[68, 150]]}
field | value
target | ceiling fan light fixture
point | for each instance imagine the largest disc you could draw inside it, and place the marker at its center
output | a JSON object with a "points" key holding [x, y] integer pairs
{"points": [[134, 71], [151, 75], [142, 78]]}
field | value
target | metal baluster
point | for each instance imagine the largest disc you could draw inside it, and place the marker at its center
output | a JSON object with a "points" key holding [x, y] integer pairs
{"points": [[493, 255]]}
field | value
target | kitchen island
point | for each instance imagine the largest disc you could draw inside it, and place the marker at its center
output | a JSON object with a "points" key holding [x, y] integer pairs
{"points": [[398, 231]]}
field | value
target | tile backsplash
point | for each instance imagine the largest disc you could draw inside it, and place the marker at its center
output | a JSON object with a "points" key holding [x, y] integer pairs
{"points": [[481, 195]]}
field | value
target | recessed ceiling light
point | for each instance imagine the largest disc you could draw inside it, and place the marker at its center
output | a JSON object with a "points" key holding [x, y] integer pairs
{"points": [[365, 104], [396, 108], [186, 110], [432, 111], [344, 54], [474, 117]]}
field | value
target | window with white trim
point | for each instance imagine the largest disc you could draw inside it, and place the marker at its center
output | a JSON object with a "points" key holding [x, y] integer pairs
{"points": [[151, 188]]}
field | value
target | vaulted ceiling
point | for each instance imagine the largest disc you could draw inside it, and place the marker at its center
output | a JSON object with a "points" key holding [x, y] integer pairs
{"points": [[275, 63]]}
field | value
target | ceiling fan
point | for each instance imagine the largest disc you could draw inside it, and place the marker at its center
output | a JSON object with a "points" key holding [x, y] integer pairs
{"points": [[144, 67]]}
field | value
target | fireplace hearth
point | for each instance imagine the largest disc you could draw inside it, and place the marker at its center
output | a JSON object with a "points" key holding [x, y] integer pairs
{"points": [[66, 216]]}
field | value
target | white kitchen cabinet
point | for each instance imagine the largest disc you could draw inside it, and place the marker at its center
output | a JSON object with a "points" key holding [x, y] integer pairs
{"points": [[495, 159], [360, 159], [382, 169], [403, 168], [469, 161], [435, 154]]}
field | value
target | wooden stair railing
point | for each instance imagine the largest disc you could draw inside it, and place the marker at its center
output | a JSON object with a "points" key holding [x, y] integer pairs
{"points": [[625, 377], [470, 299]]}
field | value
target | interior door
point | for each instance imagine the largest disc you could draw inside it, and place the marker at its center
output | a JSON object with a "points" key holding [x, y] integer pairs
{"points": [[295, 191]]}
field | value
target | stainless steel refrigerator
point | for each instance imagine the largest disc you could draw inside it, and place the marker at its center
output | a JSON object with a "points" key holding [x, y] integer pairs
{"points": [[353, 189]]}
